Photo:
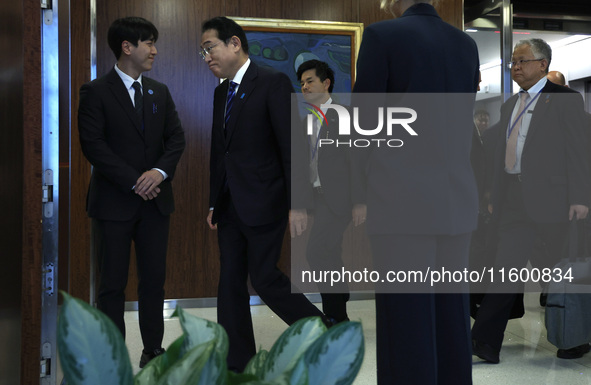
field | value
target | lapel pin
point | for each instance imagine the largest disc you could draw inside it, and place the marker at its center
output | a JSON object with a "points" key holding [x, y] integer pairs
{"points": [[154, 107], [242, 96], [150, 92]]}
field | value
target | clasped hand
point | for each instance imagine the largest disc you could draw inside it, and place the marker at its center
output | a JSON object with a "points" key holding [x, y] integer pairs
{"points": [[147, 184]]}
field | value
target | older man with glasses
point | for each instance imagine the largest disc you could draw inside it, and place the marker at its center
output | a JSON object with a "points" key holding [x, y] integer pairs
{"points": [[541, 182], [250, 186]]}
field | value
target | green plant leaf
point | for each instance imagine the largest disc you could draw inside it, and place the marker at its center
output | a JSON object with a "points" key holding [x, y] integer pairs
{"points": [[90, 346], [172, 353], [240, 378], [256, 363], [187, 370], [290, 346], [215, 371], [299, 374], [336, 357], [198, 331], [152, 372], [249, 379]]}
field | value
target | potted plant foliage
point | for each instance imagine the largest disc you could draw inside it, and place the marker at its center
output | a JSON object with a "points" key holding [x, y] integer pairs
{"points": [[92, 351]]}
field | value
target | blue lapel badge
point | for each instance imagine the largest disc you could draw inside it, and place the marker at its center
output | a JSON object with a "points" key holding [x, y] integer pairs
{"points": [[150, 92], [242, 96]]}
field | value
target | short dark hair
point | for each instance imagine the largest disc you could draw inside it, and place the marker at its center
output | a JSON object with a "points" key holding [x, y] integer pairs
{"points": [[323, 71], [226, 28], [132, 29], [481, 112]]}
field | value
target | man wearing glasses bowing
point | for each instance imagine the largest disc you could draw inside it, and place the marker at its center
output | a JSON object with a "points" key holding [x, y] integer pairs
{"points": [[250, 183]]}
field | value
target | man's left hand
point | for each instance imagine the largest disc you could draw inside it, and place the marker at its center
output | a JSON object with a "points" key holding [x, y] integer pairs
{"points": [[298, 222], [147, 182], [359, 214], [580, 210]]}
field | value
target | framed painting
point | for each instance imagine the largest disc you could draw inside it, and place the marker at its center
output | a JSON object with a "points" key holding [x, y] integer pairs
{"points": [[285, 44]]}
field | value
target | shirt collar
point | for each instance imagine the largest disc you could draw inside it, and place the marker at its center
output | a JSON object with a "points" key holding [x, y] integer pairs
{"points": [[536, 87], [127, 80], [240, 74], [329, 101]]}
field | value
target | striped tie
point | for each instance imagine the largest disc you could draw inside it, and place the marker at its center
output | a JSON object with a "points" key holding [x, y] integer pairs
{"points": [[229, 102]]}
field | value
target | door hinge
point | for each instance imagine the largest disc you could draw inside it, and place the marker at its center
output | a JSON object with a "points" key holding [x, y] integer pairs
{"points": [[45, 364]]}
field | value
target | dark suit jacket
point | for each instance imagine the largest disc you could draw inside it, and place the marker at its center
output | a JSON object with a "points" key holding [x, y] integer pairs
{"points": [[554, 162], [429, 189], [255, 155], [120, 151]]}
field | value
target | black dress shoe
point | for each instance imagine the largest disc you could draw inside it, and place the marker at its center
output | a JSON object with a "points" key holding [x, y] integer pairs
{"points": [[485, 351], [149, 356], [576, 352], [543, 299]]}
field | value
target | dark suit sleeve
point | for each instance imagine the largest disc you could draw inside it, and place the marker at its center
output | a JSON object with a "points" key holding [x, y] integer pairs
{"points": [[216, 150], [91, 126], [173, 139], [302, 193], [372, 77], [576, 124], [279, 102], [372, 64]]}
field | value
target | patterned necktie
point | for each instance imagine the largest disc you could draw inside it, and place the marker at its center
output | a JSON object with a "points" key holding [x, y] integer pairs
{"points": [[229, 102], [511, 150], [138, 100]]}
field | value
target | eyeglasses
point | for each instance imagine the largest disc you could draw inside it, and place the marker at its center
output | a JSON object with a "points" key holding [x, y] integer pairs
{"points": [[520, 62], [206, 51]]}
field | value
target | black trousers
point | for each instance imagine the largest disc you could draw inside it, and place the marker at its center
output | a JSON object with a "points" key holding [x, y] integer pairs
{"points": [[149, 232], [324, 254], [247, 251], [519, 242], [422, 339]]}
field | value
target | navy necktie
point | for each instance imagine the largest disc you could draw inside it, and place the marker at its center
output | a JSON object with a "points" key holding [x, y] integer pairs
{"points": [[229, 102], [138, 100]]}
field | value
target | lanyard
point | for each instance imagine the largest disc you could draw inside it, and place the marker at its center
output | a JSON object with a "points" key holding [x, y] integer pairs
{"points": [[521, 114]]}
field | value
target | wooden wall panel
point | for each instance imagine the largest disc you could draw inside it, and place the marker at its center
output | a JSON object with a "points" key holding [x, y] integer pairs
{"points": [[79, 252], [193, 255], [452, 11], [320, 10], [11, 191], [32, 229]]}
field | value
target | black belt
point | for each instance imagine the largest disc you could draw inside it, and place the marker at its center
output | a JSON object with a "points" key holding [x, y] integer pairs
{"points": [[514, 177]]}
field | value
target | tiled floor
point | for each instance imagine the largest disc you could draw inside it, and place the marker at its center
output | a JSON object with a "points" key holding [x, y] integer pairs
{"points": [[526, 358]]}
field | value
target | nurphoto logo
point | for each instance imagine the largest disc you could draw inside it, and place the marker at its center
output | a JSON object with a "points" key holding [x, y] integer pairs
{"points": [[392, 116]]}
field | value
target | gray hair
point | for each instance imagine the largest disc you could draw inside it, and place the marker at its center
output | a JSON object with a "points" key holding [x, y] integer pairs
{"points": [[539, 48], [387, 4]]}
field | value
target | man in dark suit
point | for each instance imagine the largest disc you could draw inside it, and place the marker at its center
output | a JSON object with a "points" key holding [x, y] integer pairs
{"points": [[421, 198], [131, 134], [541, 181], [331, 195], [250, 186]]}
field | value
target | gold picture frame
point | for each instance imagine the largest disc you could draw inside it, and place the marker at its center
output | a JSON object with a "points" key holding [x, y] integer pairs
{"points": [[286, 43]]}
